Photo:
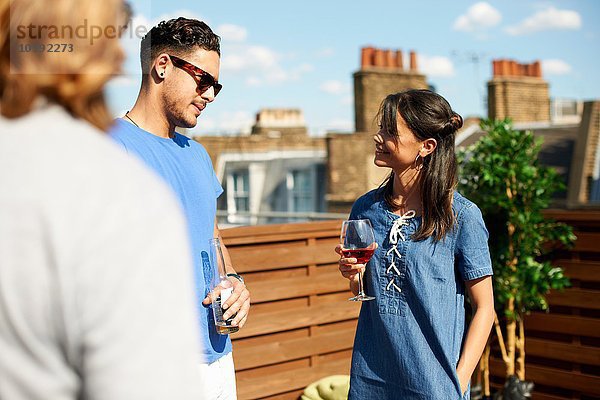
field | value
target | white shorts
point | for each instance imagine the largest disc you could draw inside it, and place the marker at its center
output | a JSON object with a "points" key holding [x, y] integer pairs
{"points": [[218, 379]]}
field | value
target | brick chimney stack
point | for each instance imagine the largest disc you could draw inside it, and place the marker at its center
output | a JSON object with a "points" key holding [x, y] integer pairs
{"points": [[382, 72], [277, 122], [385, 58], [518, 91]]}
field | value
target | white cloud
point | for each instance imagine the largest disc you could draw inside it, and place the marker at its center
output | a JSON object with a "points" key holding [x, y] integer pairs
{"points": [[240, 58], [253, 81], [261, 56], [435, 66], [334, 87], [347, 100], [261, 64], [277, 75], [548, 19], [304, 68], [555, 67], [236, 121], [232, 33], [340, 124], [226, 122], [325, 52], [335, 124], [297, 72], [479, 17], [233, 62]]}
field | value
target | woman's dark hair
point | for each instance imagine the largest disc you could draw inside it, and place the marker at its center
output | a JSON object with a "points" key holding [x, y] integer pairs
{"points": [[179, 37], [427, 115]]}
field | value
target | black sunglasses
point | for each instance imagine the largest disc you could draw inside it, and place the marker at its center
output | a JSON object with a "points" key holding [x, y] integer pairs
{"points": [[204, 80]]}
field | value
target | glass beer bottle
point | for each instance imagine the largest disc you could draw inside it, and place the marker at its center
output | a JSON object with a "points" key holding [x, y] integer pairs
{"points": [[221, 289]]}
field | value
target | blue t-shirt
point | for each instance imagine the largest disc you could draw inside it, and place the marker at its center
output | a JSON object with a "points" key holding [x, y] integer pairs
{"points": [[187, 168], [408, 340]]}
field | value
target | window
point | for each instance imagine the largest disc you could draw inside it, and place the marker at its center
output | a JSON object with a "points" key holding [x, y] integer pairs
{"points": [[300, 190], [240, 190]]}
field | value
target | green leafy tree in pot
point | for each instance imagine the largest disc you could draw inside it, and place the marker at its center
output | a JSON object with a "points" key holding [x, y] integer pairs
{"points": [[502, 175]]}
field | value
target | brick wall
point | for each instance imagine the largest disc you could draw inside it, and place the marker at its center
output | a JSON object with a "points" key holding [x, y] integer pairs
{"points": [[347, 177], [519, 92], [351, 169]]}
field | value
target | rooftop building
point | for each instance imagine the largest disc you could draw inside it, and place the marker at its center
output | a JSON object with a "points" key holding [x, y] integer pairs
{"points": [[279, 173]]}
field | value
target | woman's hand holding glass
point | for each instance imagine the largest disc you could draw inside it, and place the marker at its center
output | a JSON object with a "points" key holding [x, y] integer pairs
{"points": [[349, 267], [356, 248]]}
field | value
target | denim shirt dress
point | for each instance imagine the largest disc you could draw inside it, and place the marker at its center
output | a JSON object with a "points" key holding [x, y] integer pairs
{"points": [[408, 340]]}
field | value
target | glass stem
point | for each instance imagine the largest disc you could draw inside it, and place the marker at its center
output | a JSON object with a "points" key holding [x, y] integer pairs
{"points": [[360, 284]]}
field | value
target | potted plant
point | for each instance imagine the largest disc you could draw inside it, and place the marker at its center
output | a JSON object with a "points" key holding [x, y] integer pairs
{"points": [[502, 175]]}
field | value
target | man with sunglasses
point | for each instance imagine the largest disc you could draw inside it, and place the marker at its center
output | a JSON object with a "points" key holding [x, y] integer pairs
{"points": [[180, 67]]}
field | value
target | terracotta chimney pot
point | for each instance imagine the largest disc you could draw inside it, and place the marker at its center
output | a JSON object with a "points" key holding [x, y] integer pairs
{"points": [[537, 69], [366, 58], [399, 63], [390, 59], [496, 65], [506, 67], [413, 61], [514, 68], [379, 58]]}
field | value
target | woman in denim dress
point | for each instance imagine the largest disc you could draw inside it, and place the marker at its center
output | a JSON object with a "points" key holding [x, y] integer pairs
{"points": [[411, 341]]}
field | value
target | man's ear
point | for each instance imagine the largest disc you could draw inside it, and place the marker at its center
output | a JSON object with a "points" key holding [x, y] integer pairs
{"points": [[161, 64]]}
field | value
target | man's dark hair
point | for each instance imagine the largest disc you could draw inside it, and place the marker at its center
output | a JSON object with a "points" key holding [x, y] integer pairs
{"points": [[179, 36]]}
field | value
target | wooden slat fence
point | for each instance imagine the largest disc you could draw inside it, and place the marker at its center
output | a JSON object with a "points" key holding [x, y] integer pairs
{"points": [[301, 327], [563, 346]]}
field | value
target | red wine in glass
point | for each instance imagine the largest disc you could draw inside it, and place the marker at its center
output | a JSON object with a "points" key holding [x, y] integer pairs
{"points": [[358, 241], [362, 255]]}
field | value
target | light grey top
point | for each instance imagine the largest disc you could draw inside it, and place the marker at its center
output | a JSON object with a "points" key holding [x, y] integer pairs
{"points": [[96, 284]]}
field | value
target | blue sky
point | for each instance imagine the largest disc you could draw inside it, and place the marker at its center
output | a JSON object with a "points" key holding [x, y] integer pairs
{"points": [[302, 54]]}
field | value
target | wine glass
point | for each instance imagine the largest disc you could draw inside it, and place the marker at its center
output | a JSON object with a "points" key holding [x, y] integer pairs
{"points": [[358, 241]]}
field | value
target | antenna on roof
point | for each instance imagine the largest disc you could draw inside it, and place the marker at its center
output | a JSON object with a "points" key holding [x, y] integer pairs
{"points": [[475, 59]]}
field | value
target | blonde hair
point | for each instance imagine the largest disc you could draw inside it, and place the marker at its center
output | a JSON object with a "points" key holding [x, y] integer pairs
{"points": [[73, 79]]}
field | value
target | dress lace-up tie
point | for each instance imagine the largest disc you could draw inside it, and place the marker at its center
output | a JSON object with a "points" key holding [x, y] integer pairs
{"points": [[395, 236]]}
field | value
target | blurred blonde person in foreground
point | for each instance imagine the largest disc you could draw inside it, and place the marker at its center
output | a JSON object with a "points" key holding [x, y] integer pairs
{"points": [[96, 292]]}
